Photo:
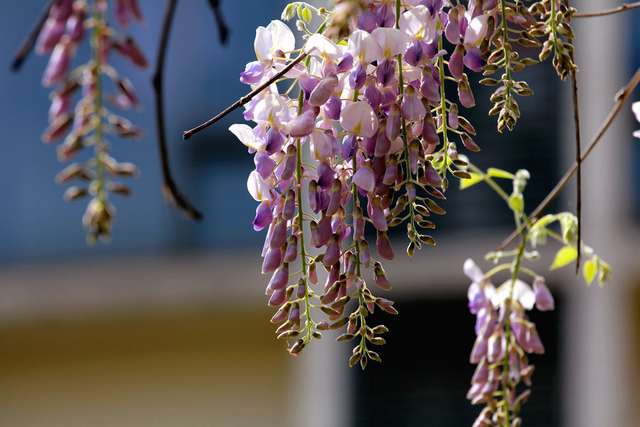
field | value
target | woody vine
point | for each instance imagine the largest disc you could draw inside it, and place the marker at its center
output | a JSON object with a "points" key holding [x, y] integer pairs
{"points": [[355, 132]]}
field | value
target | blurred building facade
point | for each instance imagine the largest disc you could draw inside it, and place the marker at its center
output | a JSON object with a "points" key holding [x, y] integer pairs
{"points": [[168, 325]]}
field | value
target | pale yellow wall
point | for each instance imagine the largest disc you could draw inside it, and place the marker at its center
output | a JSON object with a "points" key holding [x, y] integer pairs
{"points": [[209, 368]]}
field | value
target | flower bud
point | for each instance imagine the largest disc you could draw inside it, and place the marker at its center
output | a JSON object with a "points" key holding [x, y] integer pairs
{"points": [[544, 299], [384, 246]]}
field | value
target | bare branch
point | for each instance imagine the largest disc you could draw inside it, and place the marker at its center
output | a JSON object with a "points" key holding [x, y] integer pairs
{"points": [[620, 98], [223, 30], [239, 103], [30, 40], [624, 7]]}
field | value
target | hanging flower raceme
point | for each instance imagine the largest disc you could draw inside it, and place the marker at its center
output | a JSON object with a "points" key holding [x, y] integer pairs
{"points": [[504, 337], [68, 23]]}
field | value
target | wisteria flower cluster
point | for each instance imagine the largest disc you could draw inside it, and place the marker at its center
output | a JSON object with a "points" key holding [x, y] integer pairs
{"points": [[370, 139], [504, 333], [86, 124]]}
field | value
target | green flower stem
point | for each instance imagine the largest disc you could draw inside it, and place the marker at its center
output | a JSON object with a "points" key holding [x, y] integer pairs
{"points": [[100, 145], [506, 48], [507, 266], [443, 110], [303, 255]]}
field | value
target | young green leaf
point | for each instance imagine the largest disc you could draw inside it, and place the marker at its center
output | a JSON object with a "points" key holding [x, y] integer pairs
{"points": [[566, 255], [589, 270], [499, 173], [466, 183]]}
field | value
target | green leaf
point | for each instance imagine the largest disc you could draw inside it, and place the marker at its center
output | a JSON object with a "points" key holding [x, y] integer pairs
{"points": [[466, 183], [589, 270], [306, 15], [566, 255], [499, 173]]}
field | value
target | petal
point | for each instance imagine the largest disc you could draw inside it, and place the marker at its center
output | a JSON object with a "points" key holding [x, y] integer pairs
{"points": [[258, 188], [359, 119], [472, 271], [363, 47], [262, 44], [323, 47], [476, 30], [283, 38], [392, 41], [245, 134]]}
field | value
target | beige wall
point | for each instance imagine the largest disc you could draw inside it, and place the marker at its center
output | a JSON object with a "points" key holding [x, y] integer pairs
{"points": [[208, 368]]}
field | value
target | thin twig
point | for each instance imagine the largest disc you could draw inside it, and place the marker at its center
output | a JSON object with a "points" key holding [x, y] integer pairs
{"points": [[223, 30], [576, 118], [620, 98], [239, 103], [624, 7], [170, 189], [30, 40]]}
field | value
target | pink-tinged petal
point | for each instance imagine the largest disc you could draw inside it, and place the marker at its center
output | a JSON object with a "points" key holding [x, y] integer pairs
{"points": [[544, 299], [264, 216], [392, 41], [58, 65], [464, 93], [472, 271], [358, 118], [479, 350], [364, 178], [476, 30], [376, 214], [252, 73], [384, 246], [323, 91], [272, 261], [412, 108], [456, 64], [302, 125], [473, 59], [49, 36], [363, 47], [332, 253], [452, 30]]}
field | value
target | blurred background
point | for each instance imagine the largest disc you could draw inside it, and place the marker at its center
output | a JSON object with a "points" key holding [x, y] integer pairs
{"points": [[167, 325]]}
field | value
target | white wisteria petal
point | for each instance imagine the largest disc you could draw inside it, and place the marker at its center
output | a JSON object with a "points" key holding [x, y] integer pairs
{"points": [[635, 107], [418, 24], [392, 41], [283, 38], [472, 271], [271, 109], [324, 47], [522, 293], [358, 118], [258, 188], [246, 135], [363, 47], [476, 30], [262, 44]]}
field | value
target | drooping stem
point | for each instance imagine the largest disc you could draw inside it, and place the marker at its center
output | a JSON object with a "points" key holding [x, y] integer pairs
{"points": [[96, 71], [622, 8], [169, 186], [621, 98]]}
